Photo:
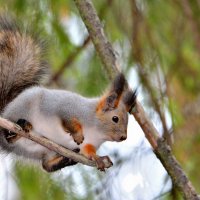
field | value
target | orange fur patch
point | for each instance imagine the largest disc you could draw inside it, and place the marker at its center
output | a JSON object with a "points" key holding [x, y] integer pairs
{"points": [[72, 126], [117, 102], [76, 125], [54, 160], [49, 165], [89, 151], [101, 104]]}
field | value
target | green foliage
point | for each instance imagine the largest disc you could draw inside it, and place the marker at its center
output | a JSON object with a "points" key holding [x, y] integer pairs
{"points": [[92, 87], [36, 184]]}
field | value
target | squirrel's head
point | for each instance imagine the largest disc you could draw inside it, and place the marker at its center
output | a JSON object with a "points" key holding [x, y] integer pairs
{"points": [[111, 110]]}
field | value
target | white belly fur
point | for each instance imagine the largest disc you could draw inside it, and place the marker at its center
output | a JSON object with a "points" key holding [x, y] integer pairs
{"points": [[50, 128]]}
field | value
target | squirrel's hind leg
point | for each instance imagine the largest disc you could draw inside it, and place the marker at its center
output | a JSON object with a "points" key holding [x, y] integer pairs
{"points": [[52, 163]]}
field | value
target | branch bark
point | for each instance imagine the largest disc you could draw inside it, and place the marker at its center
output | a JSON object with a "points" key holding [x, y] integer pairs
{"points": [[108, 58], [4, 123]]}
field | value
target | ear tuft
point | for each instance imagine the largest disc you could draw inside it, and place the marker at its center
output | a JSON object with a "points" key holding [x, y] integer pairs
{"points": [[111, 100], [118, 84], [130, 99]]}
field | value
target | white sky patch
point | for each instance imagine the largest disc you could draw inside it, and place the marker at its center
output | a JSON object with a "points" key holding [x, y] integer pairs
{"points": [[131, 181], [142, 178], [8, 187]]}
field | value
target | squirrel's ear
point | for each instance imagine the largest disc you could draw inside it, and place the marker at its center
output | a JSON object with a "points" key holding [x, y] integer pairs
{"points": [[129, 99], [111, 100]]}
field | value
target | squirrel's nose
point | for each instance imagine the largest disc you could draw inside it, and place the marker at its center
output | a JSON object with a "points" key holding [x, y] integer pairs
{"points": [[123, 138]]}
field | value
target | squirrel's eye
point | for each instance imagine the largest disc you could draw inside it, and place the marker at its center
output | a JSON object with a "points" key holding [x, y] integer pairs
{"points": [[115, 119]]}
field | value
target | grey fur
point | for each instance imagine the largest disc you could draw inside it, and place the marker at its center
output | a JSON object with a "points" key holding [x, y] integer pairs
{"points": [[50, 102]]}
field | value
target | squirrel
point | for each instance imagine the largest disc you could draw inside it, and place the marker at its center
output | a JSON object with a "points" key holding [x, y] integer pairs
{"points": [[69, 119]]}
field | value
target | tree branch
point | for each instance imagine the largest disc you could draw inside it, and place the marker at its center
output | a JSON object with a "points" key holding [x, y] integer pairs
{"points": [[69, 61], [108, 58], [4, 123]]}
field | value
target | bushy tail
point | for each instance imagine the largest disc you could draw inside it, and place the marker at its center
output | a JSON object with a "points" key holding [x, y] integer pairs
{"points": [[21, 60]]}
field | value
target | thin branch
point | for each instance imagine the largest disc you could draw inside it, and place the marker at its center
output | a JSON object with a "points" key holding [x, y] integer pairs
{"points": [[138, 19], [145, 123], [108, 58], [69, 61], [4, 123]]}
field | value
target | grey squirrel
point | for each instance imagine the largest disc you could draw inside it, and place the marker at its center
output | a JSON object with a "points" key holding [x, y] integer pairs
{"points": [[69, 119]]}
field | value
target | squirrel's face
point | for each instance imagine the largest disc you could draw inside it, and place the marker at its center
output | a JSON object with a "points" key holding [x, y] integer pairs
{"points": [[113, 123], [112, 110]]}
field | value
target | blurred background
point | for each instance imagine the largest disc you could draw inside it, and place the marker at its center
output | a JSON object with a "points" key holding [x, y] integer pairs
{"points": [[158, 47]]}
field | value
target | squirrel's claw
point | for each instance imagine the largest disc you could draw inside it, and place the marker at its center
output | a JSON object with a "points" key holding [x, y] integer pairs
{"points": [[103, 162], [78, 137]]}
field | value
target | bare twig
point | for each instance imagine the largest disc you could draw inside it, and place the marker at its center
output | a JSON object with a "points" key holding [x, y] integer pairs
{"points": [[150, 131], [107, 55], [4, 123], [69, 61], [138, 19]]}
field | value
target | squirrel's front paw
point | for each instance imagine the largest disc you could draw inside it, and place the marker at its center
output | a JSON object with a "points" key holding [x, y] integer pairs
{"points": [[103, 162], [89, 151], [25, 125], [78, 137]]}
